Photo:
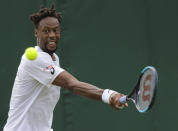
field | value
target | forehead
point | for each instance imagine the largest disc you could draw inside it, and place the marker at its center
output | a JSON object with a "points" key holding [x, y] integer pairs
{"points": [[49, 22]]}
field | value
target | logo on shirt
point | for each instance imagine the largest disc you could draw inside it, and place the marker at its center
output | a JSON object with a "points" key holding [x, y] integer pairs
{"points": [[51, 68]]}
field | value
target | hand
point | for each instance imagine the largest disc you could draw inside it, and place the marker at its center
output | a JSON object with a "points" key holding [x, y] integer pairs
{"points": [[114, 101]]}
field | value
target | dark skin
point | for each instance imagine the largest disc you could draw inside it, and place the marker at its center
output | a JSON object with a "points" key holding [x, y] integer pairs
{"points": [[48, 35]]}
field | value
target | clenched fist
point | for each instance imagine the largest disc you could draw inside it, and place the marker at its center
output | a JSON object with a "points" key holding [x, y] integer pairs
{"points": [[114, 101]]}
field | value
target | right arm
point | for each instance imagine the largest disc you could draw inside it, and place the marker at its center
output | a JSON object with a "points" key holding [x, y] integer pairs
{"points": [[67, 81], [40, 69]]}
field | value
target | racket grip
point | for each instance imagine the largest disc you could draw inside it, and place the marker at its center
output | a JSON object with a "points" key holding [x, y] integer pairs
{"points": [[123, 99]]}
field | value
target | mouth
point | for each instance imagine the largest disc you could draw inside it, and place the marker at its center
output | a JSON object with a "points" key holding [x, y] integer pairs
{"points": [[51, 45], [52, 42]]}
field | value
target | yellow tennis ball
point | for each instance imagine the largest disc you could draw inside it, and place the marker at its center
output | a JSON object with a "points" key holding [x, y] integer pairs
{"points": [[31, 53]]}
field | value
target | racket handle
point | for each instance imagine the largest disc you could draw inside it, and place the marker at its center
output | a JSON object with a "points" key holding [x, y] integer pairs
{"points": [[123, 99]]}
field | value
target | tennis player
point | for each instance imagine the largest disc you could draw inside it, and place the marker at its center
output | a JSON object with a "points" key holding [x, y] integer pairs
{"points": [[36, 89]]}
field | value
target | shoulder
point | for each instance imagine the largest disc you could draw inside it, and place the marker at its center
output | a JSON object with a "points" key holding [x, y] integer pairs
{"points": [[56, 56], [43, 58]]}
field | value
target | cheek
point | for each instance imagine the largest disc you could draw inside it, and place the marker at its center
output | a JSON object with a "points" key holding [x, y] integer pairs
{"points": [[58, 36], [43, 39]]}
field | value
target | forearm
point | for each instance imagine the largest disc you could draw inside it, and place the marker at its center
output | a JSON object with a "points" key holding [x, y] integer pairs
{"points": [[69, 82], [87, 90]]}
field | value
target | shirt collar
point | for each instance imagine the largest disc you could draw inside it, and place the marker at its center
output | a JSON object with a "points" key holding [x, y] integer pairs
{"points": [[38, 49]]}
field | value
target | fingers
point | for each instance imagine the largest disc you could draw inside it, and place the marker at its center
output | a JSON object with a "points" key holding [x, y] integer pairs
{"points": [[126, 105], [114, 101], [121, 106]]}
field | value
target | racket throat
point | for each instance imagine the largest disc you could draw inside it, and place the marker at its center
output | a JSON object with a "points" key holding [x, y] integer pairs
{"points": [[130, 99]]}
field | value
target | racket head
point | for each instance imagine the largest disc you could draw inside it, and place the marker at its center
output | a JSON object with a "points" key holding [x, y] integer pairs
{"points": [[146, 88]]}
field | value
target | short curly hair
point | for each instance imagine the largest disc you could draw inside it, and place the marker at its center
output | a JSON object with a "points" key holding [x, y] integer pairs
{"points": [[43, 13]]}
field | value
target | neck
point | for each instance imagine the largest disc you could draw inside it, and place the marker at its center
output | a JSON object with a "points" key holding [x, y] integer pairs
{"points": [[52, 56]]}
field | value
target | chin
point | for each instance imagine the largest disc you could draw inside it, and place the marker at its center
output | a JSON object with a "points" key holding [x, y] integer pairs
{"points": [[50, 51]]}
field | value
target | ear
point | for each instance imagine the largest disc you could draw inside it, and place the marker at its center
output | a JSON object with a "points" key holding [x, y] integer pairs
{"points": [[36, 33]]}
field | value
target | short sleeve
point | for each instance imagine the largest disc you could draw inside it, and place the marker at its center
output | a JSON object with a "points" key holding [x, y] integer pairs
{"points": [[43, 69]]}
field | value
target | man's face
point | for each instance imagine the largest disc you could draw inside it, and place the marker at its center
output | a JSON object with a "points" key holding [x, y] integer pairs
{"points": [[48, 34]]}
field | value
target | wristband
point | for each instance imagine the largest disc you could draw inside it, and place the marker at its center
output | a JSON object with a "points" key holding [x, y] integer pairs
{"points": [[106, 95]]}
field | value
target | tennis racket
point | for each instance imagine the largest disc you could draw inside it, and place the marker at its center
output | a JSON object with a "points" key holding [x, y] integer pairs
{"points": [[143, 95]]}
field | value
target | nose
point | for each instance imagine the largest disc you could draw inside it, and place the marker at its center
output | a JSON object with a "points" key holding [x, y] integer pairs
{"points": [[52, 34]]}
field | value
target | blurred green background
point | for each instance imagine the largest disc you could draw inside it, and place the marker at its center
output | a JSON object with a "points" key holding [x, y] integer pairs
{"points": [[105, 43]]}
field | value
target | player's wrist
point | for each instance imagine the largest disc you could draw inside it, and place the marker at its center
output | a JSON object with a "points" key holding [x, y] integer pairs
{"points": [[106, 95]]}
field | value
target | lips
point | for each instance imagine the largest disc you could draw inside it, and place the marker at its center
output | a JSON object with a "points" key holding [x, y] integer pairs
{"points": [[51, 44]]}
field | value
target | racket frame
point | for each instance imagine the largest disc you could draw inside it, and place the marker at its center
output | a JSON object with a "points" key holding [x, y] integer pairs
{"points": [[133, 96]]}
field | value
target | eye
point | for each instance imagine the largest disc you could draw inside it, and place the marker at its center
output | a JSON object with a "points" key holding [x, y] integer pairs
{"points": [[56, 30], [46, 31]]}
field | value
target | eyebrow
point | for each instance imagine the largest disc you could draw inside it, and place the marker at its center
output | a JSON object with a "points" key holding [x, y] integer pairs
{"points": [[52, 27]]}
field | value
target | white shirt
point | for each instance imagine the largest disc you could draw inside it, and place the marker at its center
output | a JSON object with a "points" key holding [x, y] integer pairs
{"points": [[33, 96]]}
